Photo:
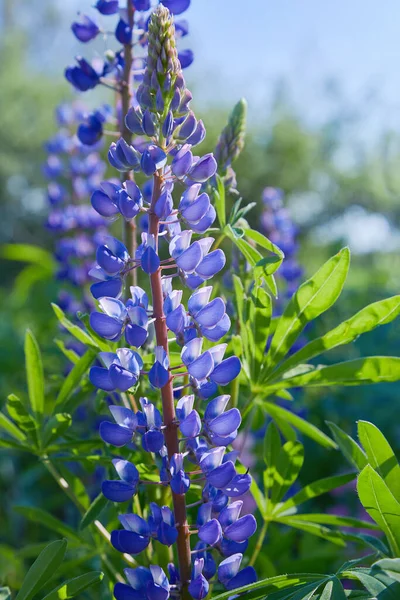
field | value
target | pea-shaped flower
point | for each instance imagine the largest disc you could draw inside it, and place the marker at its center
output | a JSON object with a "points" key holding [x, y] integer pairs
{"points": [[210, 317], [122, 431], [147, 255], [134, 538], [230, 576], [121, 371], [124, 488], [150, 423], [86, 29], [199, 586], [179, 481], [190, 422], [221, 425], [123, 157], [146, 584], [112, 256], [159, 373]]}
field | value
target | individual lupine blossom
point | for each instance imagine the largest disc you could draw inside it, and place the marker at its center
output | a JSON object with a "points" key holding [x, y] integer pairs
{"points": [[73, 170], [281, 230], [85, 75], [231, 143], [175, 252]]}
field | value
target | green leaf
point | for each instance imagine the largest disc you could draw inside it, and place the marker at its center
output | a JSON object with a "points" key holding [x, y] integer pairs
{"points": [[34, 374], [381, 505], [380, 455], [289, 462], [333, 591], [74, 330], [260, 589], [22, 417], [263, 241], [305, 427], [37, 515], [314, 489], [74, 378], [312, 298], [336, 537], [260, 319], [73, 587], [259, 498], [9, 427], [55, 427], [219, 202], [371, 369], [68, 353], [367, 319], [98, 504], [349, 447], [272, 445], [336, 520], [28, 253], [42, 569]]}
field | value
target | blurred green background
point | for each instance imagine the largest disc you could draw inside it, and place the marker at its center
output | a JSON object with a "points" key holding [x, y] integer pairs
{"points": [[339, 174]]}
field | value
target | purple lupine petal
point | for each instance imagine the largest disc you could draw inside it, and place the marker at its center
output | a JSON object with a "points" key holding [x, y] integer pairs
{"points": [[86, 30], [126, 470], [191, 426], [103, 205], [242, 529], [118, 491], [238, 486], [121, 378], [176, 6], [182, 161], [129, 541], [226, 423], [204, 513], [199, 300], [114, 434], [176, 319], [124, 592], [192, 350], [216, 407], [107, 7], [199, 587], [228, 547], [152, 441], [211, 459], [180, 483], [211, 264], [139, 578], [244, 577], [212, 313], [210, 532], [100, 378], [229, 567], [190, 258], [206, 222], [226, 371], [105, 326], [214, 334], [230, 513], [167, 534], [204, 169], [202, 366], [186, 58], [198, 136], [111, 288], [113, 308], [135, 335], [150, 261], [197, 209], [158, 375], [222, 475], [124, 416]]}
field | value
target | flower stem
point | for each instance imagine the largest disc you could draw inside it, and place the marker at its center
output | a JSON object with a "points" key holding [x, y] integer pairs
{"points": [[259, 544], [167, 396]]}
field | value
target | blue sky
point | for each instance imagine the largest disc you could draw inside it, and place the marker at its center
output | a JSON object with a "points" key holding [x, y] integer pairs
{"points": [[243, 48]]}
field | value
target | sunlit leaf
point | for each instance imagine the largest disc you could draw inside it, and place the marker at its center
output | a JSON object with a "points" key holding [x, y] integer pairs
{"points": [[34, 374], [349, 447], [73, 587], [42, 569]]}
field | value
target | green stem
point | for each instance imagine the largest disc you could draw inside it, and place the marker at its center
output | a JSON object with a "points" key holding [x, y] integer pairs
{"points": [[259, 544]]}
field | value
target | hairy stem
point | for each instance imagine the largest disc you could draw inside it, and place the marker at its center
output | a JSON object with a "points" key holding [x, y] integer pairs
{"points": [[167, 396], [126, 97]]}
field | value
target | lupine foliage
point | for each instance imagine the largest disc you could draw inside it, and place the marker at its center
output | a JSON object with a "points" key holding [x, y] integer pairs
{"points": [[181, 365]]}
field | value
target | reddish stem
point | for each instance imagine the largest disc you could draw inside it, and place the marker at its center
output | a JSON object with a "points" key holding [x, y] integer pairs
{"points": [[167, 395]]}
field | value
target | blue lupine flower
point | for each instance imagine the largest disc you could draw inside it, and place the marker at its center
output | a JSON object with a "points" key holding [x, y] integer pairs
{"points": [[199, 586], [221, 426], [203, 169], [107, 7], [142, 5], [176, 7], [146, 253], [153, 158], [190, 422], [121, 371], [230, 576], [159, 373], [85, 30], [123, 32], [150, 421], [179, 482], [144, 584], [210, 567], [112, 256], [83, 77], [91, 131], [186, 57], [121, 432], [123, 157], [134, 538], [125, 488], [162, 524], [107, 285]]}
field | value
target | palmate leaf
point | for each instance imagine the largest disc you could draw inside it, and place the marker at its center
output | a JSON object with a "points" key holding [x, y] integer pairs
{"points": [[98, 504], [380, 455], [22, 418], [287, 467], [42, 569], [333, 590], [381, 505], [314, 489], [312, 298], [349, 447], [367, 319], [34, 374], [262, 589], [260, 313], [55, 427], [10, 428], [305, 427], [317, 529], [371, 369], [75, 330]]}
